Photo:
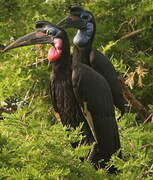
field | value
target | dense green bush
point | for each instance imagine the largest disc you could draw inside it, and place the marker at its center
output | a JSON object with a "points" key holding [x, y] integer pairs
{"points": [[33, 145]]}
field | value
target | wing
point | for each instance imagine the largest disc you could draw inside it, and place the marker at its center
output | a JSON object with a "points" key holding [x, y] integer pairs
{"points": [[102, 65], [67, 110], [52, 93], [94, 96]]}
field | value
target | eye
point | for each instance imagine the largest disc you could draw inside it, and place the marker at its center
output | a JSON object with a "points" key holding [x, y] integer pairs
{"points": [[86, 16], [51, 31]]}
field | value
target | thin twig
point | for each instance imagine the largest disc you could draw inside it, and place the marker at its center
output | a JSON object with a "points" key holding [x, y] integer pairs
{"points": [[149, 118], [147, 145], [125, 22], [133, 33], [37, 63]]}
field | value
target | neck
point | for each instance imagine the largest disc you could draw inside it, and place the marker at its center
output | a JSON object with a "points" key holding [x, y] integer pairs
{"points": [[63, 64], [81, 54], [84, 37], [83, 44]]}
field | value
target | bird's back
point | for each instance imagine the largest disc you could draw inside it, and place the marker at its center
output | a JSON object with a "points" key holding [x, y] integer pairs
{"points": [[102, 65]]}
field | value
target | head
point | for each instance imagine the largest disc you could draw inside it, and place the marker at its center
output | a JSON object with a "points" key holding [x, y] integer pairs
{"points": [[46, 33], [83, 21]]}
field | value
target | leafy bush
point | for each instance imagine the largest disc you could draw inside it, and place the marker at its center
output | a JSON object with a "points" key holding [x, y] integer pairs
{"points": [[33, 145]]}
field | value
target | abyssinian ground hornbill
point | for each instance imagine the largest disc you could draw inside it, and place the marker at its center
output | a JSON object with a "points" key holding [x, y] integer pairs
{"points": [[61, 90], [91, 91], [85, 23]]}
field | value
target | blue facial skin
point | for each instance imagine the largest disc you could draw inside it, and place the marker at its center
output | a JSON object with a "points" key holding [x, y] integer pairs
{"points": [[83, 36], [53, 31]]}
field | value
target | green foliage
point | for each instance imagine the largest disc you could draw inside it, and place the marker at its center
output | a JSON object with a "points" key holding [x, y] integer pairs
{"points": [[33, 145]]}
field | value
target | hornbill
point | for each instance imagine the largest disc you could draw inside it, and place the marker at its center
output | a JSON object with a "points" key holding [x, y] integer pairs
{"points": [[61, 90], [78, 88], [85, 23]]}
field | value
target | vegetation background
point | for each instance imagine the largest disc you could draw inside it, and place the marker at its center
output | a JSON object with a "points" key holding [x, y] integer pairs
{"points": [[33, 145]]}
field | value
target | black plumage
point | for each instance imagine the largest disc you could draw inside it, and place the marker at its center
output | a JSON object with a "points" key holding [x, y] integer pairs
{"points": [[94, 97], [62, 95], [61, 90], [79, 93], [85, 22]]}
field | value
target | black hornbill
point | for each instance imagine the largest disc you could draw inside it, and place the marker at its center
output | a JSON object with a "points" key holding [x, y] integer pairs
{"points": [[78, 85], [85, 23], [61, 90]]}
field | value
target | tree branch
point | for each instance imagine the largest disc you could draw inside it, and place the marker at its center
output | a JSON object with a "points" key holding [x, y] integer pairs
{"points": [[136, 104]]}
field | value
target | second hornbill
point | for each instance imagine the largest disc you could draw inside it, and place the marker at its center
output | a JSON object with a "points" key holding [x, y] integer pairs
{"points": [[91, 91], [85, 23]]}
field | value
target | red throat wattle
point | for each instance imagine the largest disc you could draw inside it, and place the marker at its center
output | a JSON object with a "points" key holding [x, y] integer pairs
{"points": [[55, 52]]}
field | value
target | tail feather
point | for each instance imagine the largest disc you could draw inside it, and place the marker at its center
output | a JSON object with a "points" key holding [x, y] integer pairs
{"points": [[108, 141]]}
